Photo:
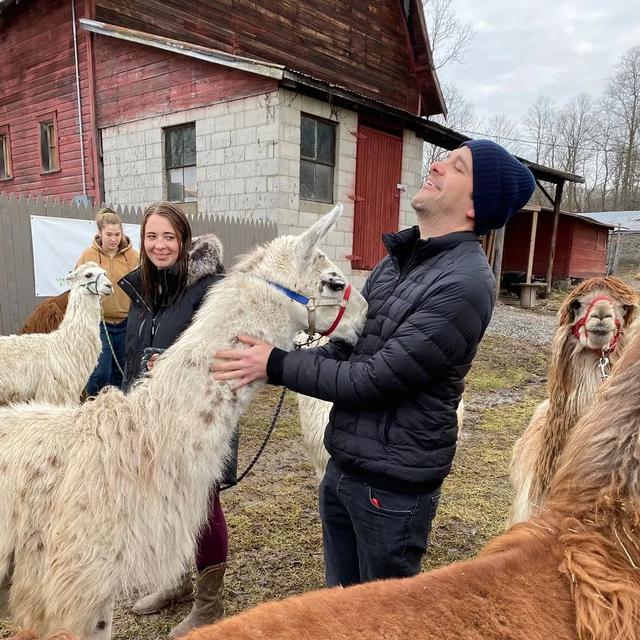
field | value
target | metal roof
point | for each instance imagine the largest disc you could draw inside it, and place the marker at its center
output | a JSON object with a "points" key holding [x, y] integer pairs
{"points": [[628, 220], [586, 217]]}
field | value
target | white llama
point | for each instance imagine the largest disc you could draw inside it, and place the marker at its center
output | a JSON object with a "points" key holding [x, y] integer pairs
{"points": [[55, 367], [108, 497]]}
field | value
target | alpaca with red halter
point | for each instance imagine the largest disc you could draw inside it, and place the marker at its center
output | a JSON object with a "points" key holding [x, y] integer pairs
{"points": [[587, 344]]}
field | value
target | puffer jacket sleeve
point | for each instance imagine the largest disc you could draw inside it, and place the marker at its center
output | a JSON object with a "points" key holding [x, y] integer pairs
{"points": [[445, 326]]}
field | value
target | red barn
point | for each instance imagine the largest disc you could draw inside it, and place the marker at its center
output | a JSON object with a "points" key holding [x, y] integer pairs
{"points": [[255, 109], [581, 245]]}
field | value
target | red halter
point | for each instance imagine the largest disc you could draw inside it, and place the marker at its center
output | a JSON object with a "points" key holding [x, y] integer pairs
{"points": [[583, 323], [343, 305]]}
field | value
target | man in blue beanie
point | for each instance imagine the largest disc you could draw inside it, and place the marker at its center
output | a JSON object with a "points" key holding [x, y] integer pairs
{"points": [[392, 431]]}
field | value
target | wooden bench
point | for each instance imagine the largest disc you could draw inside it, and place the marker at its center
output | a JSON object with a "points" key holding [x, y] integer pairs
{"points": [[529, 293]]}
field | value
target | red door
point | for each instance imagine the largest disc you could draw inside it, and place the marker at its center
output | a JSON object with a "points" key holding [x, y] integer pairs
{"points": [[377, 198]]}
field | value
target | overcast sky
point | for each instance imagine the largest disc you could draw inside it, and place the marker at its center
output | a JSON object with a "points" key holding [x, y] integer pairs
{"points": [[526, 48]]}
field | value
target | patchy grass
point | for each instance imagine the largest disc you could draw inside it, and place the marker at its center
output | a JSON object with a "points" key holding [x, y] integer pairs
{"points": [[274, 530]]}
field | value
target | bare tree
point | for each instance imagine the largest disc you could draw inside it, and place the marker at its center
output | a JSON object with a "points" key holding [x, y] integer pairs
{"points": [[540, 124], [576, 126], [461, 116], [504, 131], [623, 92], [449, 36], [604, 168]]}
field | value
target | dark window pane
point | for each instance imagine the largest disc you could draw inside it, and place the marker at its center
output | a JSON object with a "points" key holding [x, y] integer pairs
{"points": [[308, 138], [3, 155], [324, 183], [190, 184], [326, 142], [307, 180], [174, 148], [189, 145], [174, 185], [44, 147]]}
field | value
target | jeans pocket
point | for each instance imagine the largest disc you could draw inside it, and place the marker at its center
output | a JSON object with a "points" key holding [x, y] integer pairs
{"points": [[392, 503]]}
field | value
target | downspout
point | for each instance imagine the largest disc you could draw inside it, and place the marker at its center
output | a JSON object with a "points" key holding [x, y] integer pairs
{"points": [[75, 54]]}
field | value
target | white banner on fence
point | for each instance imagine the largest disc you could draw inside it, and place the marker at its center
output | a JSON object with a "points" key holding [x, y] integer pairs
{"points": [[57, 245]]}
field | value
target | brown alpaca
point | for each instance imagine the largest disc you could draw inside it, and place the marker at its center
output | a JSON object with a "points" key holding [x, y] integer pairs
{"points": [[589, 340], [570, 573], [47, 316]]}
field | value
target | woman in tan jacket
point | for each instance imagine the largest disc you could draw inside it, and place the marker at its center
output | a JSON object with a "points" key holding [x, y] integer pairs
{"points": [[112, 250]]}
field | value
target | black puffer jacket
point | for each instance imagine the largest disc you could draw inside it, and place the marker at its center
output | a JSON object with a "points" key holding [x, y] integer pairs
{"points": [[395, 394], [161, 326]]}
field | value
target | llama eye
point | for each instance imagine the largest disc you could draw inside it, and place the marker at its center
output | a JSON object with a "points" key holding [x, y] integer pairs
{"points": [[575, 304], [88, 275]]}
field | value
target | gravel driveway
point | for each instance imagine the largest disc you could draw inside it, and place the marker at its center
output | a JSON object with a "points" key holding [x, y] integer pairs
{"points": [[522, 324]]}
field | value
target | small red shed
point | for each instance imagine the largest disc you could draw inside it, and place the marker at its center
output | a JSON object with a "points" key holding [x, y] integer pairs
{"points": [[581, 245]]}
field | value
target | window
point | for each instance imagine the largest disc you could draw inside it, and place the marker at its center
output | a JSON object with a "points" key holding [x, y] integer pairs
{"points": [[317, 159], [49, 158], [180, 163], [5, 154]]}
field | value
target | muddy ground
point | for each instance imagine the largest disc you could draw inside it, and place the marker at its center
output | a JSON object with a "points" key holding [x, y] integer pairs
{"points": [[274, 529]]}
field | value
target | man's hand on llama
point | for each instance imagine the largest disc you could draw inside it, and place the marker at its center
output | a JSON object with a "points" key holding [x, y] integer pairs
{"points": [[243, 365]]}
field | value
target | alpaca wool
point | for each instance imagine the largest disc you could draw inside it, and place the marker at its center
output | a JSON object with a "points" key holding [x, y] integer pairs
{"points": [[502, 185]]}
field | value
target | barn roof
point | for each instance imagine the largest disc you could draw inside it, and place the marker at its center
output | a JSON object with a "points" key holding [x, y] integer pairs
{"points": [[627, 220], [585, 217]]}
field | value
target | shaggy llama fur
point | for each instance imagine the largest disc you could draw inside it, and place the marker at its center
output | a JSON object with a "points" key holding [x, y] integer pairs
{"points": [[574, 377], [55, 367], [47, 316], [109, 497]]}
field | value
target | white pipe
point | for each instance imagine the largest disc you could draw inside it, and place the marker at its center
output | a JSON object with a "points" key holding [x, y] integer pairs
{"points": [[75, 53]]}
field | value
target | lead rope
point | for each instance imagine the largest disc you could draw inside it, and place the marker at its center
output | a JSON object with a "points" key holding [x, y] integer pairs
{"points": [[113, 352], [310, 340]]}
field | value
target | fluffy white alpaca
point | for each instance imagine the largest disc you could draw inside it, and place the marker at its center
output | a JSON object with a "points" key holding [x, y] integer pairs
{"points": [[55, 367], [108, 497]]}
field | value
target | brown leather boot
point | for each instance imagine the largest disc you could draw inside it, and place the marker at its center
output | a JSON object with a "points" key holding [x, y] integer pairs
{"points": [[155, 602], [208, 603]]}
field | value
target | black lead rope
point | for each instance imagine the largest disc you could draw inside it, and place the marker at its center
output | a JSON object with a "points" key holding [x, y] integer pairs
{"points": [[262, 446], [310, 340]]}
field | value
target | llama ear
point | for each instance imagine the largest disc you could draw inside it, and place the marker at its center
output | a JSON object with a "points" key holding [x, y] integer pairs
{"points": [[311, 238]]}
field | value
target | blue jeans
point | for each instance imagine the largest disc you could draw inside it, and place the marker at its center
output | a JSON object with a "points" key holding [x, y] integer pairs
{"points": [[106, 371], [370, 533]]}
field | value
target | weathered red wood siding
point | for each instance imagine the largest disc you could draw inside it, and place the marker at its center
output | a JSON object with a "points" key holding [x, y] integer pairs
{"points": [[38, 77], [579, 254], [134, 81], [589, 250], [357, 44]]}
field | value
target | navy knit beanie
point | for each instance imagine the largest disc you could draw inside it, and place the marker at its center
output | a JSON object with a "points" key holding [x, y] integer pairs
{"points": [[502, 185]]}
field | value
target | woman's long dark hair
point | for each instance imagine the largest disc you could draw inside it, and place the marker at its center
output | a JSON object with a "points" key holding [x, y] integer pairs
{"points": [[180, 224]]}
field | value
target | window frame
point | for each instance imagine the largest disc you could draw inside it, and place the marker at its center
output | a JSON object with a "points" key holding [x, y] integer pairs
{"points": [[166, 168], [52, 119], [334, 126], [5, 134]]}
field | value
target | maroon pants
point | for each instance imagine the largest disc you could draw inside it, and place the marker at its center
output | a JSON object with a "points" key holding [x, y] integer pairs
{"points": [[213, 543]]}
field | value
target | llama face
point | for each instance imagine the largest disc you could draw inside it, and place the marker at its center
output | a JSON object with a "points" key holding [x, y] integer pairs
{"points": [[296, 262], [92, 278], [598, 319]]}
